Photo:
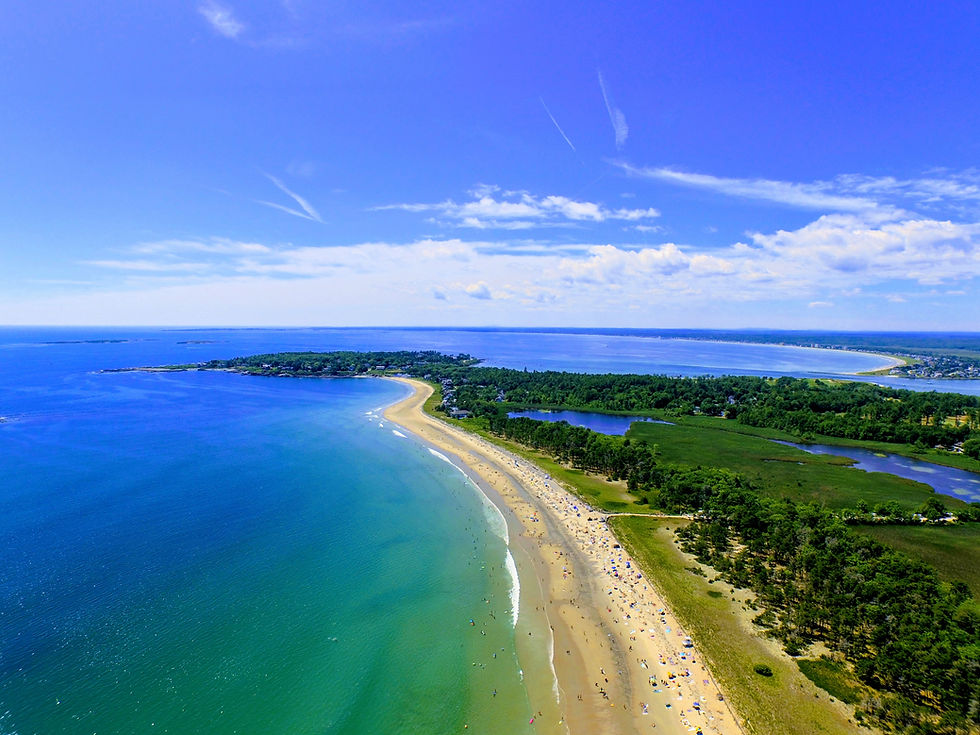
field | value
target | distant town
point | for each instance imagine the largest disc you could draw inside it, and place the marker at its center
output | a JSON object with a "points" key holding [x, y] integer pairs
{"points": [[946, 367]]}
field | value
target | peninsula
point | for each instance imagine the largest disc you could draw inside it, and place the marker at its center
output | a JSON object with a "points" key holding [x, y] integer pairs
{"points": [[750, 520]]}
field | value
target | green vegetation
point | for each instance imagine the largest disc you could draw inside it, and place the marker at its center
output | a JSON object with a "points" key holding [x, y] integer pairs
{"points": [[781, 703], [962, 461], [780, 471], [769, 518], [908, 635], [341, 363], [831, 676], [599, 491], [803, 408], [953, 550]]}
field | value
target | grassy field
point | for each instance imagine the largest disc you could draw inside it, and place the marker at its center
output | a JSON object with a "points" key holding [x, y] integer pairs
{"points": [[778, 470], [786, 702], [938, 456], [831, 676], [954, 550]]}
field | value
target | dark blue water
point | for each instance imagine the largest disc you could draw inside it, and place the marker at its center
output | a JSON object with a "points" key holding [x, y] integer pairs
{"points": [[598, 422], [946, 480], [575, 352]]}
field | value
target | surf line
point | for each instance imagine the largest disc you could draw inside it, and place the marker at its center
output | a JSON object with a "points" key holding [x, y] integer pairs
{"points": [[502, 531]]}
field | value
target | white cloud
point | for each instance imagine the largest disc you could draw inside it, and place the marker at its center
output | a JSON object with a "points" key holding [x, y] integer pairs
{"points": [[219, 245], [513, 210], [963, 186], [886, 197], [928, 251], [479, 290], [437, 281], [817, 195], [820, 304], [149, 266], [222, 19]]}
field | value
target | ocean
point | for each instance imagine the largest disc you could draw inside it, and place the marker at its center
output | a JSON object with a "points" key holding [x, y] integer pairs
{"points": [[213, 553]]}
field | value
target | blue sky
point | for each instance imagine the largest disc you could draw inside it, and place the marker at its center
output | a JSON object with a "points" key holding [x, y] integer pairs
{"points": [[690, 164]]}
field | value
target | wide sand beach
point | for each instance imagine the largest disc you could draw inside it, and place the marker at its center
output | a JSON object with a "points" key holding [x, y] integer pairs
{"points": [[623, 663]]}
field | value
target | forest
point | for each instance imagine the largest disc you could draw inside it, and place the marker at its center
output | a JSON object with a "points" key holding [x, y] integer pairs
{"points": [[342, 363], [846, 409]]}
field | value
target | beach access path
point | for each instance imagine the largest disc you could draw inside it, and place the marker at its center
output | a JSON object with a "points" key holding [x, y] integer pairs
{"points": [[620, 655]]}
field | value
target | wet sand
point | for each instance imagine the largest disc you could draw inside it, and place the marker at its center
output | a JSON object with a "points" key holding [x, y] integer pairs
{"points": [[620, 656]]}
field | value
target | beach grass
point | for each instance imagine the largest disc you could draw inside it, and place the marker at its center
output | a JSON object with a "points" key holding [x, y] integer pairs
{"points": [[785, 702], [781, 471], [831, 676], [953, 550]]}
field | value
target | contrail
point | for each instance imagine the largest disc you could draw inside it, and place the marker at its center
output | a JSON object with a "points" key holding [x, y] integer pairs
{"points": [[616, 117], [556, 124], [287, 210], [307, 207]]}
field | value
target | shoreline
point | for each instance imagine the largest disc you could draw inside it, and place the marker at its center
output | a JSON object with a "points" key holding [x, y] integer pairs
{"points": [[895, 361], [618, 653]]}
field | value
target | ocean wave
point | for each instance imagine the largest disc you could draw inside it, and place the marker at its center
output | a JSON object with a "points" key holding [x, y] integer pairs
{"points": [[515, 588], [396, 432], [444, 458]]}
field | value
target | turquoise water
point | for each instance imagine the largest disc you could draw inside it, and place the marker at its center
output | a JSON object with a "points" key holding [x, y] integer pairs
{"points": [[210, 553], [207, 553]]}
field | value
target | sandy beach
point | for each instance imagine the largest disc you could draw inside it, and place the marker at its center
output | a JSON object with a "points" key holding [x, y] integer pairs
{"points": [[623, 663]]}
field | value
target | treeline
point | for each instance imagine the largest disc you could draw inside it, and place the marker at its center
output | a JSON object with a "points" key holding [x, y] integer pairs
{"points": [[672, 487], [345, 362], [907, 634], [850, 410], [617, 458]]}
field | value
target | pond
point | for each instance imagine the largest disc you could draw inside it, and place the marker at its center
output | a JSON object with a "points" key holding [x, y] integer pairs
{"points": [[946, 480], [601, 423]]}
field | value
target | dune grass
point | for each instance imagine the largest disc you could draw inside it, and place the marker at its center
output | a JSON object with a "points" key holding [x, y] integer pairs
{"points": [[831, 676], [785, 702]]}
